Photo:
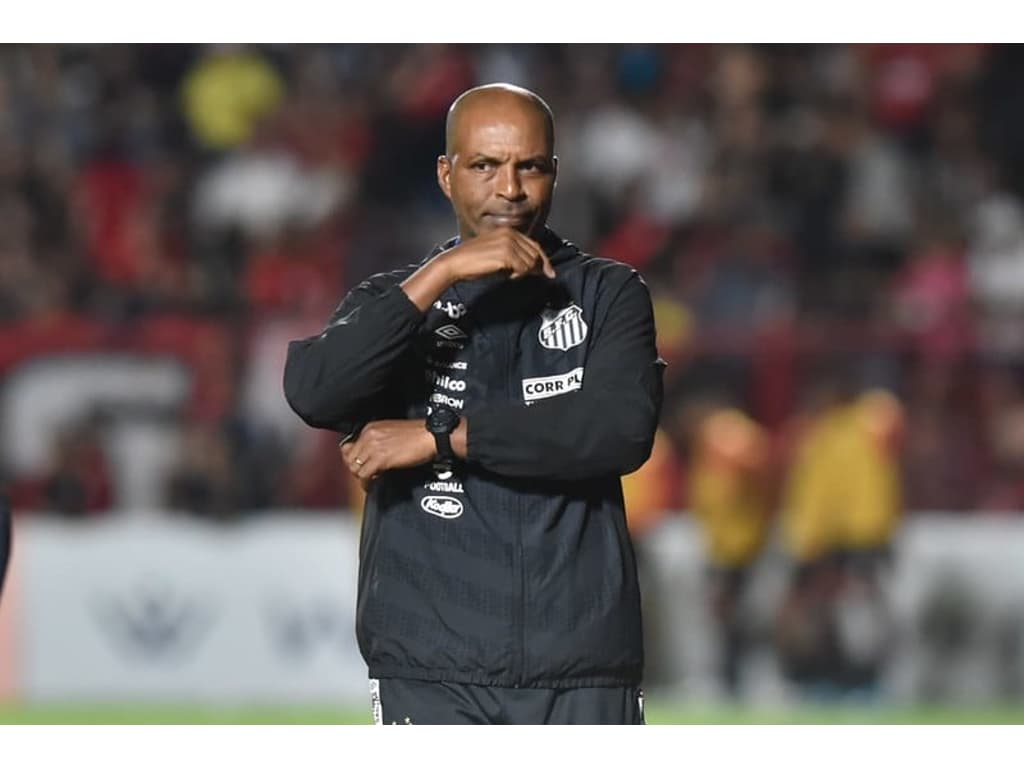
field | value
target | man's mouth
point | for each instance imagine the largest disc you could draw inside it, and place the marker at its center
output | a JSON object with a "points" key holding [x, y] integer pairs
{"points": [[509, 219]]}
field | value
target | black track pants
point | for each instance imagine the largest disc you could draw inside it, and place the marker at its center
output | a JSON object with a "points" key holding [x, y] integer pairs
{"points": [[415, 702]]}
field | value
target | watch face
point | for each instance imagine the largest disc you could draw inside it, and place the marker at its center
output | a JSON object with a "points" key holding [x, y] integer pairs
{"points": [[442, 419]]}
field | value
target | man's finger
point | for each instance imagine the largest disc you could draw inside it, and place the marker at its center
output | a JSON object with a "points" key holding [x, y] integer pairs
{"points": [[539, 260], [352, 455], [366, 467], [526, 257], [546, 265]]}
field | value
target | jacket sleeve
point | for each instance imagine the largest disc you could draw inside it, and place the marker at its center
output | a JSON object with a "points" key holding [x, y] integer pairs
{"points": [[605, 428], [331, 380]]}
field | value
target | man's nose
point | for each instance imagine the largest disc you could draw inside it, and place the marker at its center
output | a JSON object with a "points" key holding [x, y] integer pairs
{"points": [[509, 185]]}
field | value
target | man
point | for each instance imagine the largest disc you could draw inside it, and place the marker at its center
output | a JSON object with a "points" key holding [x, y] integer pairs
{"points": [[491, 397]]}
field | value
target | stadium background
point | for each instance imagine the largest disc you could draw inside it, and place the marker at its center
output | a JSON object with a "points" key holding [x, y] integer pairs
{"points": [[171, 215]]}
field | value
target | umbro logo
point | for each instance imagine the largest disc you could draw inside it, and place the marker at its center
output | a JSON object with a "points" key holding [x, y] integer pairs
{"points": [[451, 333]]}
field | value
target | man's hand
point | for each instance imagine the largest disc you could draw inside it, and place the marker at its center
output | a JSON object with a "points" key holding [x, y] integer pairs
{"points": [[500, 251], [503, 250], [388, 444]]}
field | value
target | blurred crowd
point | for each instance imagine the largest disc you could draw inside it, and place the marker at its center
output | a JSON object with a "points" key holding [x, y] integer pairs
{"points": [[799, 212]]}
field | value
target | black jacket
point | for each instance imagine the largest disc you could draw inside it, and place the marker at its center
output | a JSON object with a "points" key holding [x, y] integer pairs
{"points": [[518, 570]]}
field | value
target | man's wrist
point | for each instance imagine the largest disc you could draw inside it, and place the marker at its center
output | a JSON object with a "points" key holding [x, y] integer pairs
{"points": [[441, 422], [444, 263], [429, 282], [429, 443], [460, 445]]}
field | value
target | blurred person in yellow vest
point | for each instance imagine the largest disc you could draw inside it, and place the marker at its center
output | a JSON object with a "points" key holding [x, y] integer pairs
{"points": [[842, 504], [865, 534], [227, 93], [730, 489]]}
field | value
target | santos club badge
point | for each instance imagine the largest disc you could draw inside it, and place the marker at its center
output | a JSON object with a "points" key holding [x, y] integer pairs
{"points": [[562, 329]]}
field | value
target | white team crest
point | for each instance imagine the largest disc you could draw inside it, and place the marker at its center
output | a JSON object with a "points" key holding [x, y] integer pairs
{"points": [[562, 329]]}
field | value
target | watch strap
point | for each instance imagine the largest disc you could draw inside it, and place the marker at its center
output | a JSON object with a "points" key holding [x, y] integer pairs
{"points": [[443, 440]]}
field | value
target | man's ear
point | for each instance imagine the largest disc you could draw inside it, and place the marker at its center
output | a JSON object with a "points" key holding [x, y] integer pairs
{"points": [[444, 174], [554, 167]]}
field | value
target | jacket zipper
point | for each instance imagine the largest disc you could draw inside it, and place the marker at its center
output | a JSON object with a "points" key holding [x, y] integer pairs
{"points": [[511, 350], [521, 650], [506, 345]]}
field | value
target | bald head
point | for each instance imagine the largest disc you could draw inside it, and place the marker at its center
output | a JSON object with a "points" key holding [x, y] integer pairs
{"points": [[484, 101], [499, 166]]}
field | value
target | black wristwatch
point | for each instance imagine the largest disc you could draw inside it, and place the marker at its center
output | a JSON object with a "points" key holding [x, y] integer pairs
{"points": [[441, 422]]}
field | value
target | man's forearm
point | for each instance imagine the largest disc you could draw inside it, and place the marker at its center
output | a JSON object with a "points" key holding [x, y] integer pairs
{"points": [[426, 284]]}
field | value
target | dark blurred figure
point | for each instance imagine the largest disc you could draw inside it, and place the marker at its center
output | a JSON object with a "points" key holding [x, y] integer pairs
{"points": [[79, 482], [1003, 395], [202, 481], [5, 540]]}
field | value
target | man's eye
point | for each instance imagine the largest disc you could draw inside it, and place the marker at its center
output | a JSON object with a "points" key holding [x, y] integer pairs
{"points": [[481, 165]]}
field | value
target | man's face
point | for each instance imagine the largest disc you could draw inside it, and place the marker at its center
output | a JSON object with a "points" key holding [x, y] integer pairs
{"points": [[501, 172]]}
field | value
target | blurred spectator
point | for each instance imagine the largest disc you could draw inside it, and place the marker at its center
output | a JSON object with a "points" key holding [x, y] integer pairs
{"points": [[264, 192], [202, 481], [650, 492], [841, 508], [78, 482], [931, 302], [1003, 406], [227, 92], [731, 496], [996, 265], [947, 439]]}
